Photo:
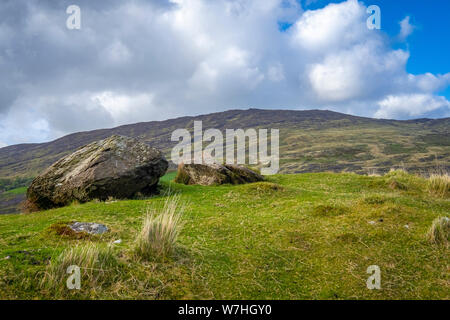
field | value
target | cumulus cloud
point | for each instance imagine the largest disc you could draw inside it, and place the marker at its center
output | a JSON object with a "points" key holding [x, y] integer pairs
{"points": [[406, 28], [412, 105], [146, 60]]}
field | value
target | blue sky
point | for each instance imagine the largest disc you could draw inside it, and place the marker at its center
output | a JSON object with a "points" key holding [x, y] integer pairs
{"points": [[145, 60]]}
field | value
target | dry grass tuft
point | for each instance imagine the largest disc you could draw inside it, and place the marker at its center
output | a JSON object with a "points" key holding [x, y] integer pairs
{"points": [[439, 232], [160, 230], [96, 263], [439, 185]]}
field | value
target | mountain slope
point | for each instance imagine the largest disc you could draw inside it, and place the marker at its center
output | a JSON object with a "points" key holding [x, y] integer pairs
{"points": [[310, 141]]}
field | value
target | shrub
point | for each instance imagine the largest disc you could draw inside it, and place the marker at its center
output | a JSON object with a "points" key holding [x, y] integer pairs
{"points": [[439, 185], [94, 261], [439, 232], [160, 230]]}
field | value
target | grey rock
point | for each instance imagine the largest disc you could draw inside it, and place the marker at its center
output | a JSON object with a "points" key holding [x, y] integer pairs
{"points": [[89, 227], [215, 174], [117, 167]]}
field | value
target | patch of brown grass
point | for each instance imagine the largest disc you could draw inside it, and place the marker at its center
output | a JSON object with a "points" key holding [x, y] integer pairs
{"points": [[62, 229]]}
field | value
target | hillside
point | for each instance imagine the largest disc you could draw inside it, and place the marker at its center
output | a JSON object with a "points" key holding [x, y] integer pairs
{"points": [[310, 141], [300, 236]]}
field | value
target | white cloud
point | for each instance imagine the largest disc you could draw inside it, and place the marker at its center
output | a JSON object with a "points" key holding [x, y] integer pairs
{"points": [[116, 53], [124, 108], [412, 105], [335, 26], [151, 60], [275, 72], [406, 28]]}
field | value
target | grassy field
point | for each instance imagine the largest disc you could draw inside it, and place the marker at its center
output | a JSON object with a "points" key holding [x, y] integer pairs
{"points": [[301, 236]]}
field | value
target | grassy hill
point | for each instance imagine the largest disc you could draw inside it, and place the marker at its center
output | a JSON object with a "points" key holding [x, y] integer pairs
{"points": [[310, 141], [299, 236]]}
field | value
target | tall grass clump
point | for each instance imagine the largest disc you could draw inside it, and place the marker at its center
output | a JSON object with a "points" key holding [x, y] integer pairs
{"points": [[439, 232], [439, 185], [160, 230], [97, 265]]}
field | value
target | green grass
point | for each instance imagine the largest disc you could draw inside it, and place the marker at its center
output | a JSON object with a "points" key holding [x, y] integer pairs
{"points": [[21, 190], [304, 236]]}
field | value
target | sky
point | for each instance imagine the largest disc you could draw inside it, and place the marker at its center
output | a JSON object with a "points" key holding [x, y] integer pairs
{"points": [[143, 60]]}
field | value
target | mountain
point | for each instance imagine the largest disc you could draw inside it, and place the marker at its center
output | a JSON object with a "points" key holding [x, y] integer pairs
{"points": [[310, 141]]}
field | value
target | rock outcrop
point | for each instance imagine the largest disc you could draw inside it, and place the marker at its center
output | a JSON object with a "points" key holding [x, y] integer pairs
{"points": [[89, 227], [214, 174], [118, 167]]}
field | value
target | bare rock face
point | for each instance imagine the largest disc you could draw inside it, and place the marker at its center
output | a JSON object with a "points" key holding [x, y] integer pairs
{"points": [[118, 167], [214, 174]]}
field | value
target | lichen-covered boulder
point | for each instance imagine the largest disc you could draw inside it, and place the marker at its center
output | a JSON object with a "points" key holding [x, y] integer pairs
{"points": [[214, 174], [118, 167]]}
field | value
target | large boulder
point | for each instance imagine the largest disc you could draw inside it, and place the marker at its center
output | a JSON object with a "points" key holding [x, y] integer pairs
{"points": [[214, 174], [118, 167]]}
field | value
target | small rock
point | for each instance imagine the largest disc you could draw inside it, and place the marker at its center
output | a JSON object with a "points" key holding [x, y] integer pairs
{"points": [[406, 226], [372, 222], [215, 174], [89, 227]]}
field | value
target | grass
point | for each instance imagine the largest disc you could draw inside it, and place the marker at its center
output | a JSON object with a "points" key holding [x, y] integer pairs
{"points": [[21, 190], [255, 241], [160, 230], [439, 185], [439, 232], [96, 264]]}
